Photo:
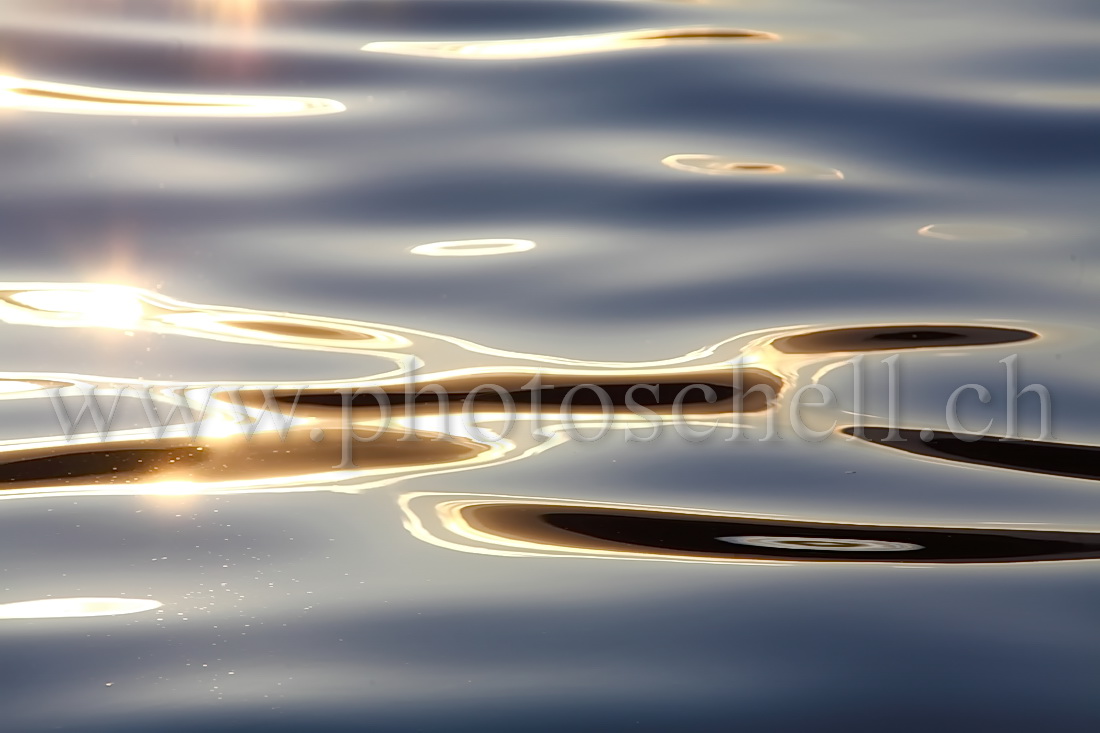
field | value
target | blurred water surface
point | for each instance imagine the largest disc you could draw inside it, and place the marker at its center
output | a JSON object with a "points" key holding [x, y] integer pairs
{"points": [[300, 191]]}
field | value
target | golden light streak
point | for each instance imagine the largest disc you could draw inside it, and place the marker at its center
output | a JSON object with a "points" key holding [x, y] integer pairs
{"points": [[539, 48], [45, 96]]}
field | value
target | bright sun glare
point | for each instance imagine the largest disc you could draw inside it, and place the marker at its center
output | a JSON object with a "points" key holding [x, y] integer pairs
{"points": [[105, 307]]}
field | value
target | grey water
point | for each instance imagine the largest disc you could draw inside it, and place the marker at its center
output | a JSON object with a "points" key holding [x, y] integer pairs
{"points": [[291, 199]]}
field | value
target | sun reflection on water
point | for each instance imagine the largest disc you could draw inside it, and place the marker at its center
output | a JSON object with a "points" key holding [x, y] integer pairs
{"points": [[538, 48], [46, 96], [76, 607], [474, 248], [101, 306]]}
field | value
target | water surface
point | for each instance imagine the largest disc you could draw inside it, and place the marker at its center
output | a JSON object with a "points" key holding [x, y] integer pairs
{"points": [[259, 203]]}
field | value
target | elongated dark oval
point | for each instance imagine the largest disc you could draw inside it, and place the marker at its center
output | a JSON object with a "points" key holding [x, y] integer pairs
{"points": [[1036, 456], [297, 330], [892, 338], [733, 538], [121, 464]]}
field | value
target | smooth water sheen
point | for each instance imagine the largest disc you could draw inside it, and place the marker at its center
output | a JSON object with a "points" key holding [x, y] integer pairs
{"points": [[252, 205]]}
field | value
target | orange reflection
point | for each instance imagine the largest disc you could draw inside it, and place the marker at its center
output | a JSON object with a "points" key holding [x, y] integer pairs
{"points": [[244, 14]]}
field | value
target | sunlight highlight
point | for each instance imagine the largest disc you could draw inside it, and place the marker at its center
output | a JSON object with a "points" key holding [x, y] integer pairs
{"points": [[474, 248], [103, 306], [538, 48], [45, 96], [76, 607]]}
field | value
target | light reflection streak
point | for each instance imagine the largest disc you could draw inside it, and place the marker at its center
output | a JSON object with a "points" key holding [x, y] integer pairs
{"points": [[539, 48], [716, 165], [436, 352], [75, 607], [45, 96], [19, 388], [473, 248]]}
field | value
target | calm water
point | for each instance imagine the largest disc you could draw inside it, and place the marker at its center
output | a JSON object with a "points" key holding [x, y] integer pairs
{"points": [[280, 199]]}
